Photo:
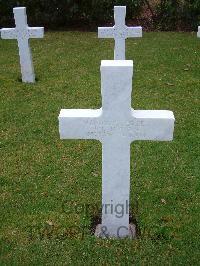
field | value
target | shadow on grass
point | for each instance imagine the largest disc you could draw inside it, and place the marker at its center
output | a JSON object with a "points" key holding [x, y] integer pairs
{"points": [[19, 79]]}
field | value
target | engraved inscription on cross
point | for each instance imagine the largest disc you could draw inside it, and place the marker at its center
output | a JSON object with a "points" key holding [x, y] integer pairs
{"points": [[22, 32], [116, 125], [119, 32]]}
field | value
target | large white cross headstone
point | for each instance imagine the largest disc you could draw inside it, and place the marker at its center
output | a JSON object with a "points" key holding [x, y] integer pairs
{"points": [[119, 32], [198, 33], [22, 32], [116, 125]]}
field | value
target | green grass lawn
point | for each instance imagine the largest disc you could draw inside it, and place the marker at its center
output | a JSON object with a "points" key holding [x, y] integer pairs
{"points": [[51, 189]]}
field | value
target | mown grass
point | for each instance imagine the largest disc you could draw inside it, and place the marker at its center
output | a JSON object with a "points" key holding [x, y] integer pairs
{"points": [[51, 189]]}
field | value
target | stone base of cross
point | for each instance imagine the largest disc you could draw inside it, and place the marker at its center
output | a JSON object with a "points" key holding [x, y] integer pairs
{"points": [[116, 125], [22, 32], [198, 33]]}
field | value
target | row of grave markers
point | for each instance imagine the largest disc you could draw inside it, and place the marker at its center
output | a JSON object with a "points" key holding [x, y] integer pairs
{"points": [[22, 32], [116, 125]]}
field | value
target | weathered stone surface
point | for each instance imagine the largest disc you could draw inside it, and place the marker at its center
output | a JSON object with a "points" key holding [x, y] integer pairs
{"points": [[116, 125], [198, 33], [101, 232]]}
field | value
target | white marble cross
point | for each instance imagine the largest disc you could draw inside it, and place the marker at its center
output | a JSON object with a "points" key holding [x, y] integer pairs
{"points": [[22, 33], [116, 125], [198, 33], [119, 32]]}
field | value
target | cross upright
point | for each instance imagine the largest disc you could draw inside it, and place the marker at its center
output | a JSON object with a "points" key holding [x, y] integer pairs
{"points": [[198, 33], [116, 125], [22, 32], [119, 32]]}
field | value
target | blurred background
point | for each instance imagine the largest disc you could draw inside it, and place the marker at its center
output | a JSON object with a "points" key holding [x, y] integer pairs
{"points": [[153, 15]]}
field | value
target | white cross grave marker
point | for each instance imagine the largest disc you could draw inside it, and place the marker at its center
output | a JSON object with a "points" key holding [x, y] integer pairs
{"points": [[198, 33], [22, 33], [119, 32], [116, 125]]}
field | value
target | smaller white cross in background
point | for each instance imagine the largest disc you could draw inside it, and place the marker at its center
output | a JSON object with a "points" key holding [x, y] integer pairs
{"points": [[198, 33], [22, 33], [119, 32]]}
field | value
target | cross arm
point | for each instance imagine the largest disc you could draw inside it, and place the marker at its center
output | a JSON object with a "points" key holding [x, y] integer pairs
{"points": [[134, 32], [154, 125], [105, 32], [8, 33], [79, 123], [36, 32]]}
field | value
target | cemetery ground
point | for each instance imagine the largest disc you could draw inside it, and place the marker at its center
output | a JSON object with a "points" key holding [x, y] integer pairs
{"points": [[51, 189]]}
